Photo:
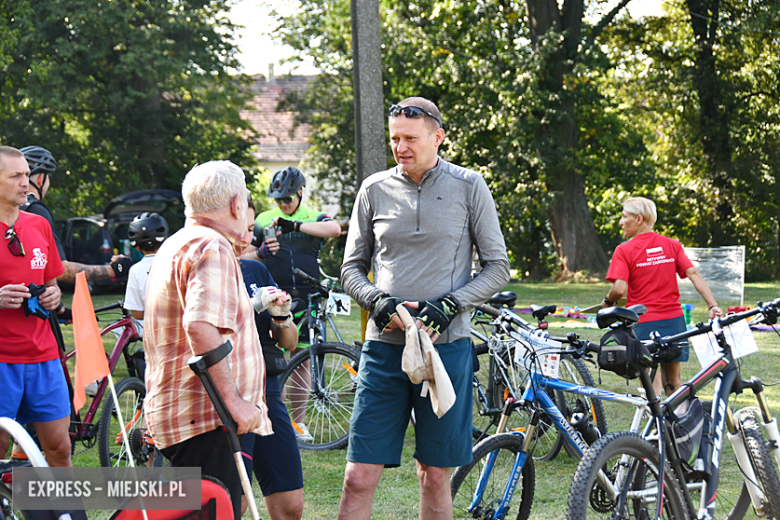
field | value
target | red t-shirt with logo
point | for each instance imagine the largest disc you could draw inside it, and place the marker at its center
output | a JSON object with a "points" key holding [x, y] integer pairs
{"points": [[28, 339], [648, 263]]}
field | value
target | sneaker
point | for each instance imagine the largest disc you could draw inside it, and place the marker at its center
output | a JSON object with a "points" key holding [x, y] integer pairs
{"points": [[302, 432]]}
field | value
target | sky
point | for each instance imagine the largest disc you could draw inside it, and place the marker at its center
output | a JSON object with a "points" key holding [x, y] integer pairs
{"points": [[258, 48]]}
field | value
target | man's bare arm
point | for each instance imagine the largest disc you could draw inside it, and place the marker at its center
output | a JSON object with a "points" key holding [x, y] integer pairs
{"points": [[203, 338], [93, 272]]}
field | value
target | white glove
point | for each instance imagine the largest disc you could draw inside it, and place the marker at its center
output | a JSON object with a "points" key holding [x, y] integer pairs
{"points": [[280, 312], [265, 296]]}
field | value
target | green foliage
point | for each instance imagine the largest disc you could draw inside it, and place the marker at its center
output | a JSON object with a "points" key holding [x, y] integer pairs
{"points": [[126, 95], [475, 61]]}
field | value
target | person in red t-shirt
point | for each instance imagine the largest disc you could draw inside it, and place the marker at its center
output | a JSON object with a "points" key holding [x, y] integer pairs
{"points": [[647, 267], [34, 384]]}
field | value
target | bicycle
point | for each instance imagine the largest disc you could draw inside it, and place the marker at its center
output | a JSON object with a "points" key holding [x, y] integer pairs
{"points": [[327, 398], [623, 473], [484, 488], [504, 379]]}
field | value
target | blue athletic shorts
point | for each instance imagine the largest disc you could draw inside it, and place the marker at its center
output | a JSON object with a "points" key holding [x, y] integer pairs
{"points": [[275, 458], [34, 392], [665, 328], [384, 401]]}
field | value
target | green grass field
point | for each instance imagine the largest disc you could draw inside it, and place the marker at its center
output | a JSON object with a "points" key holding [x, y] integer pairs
{"points": [[397, 496]]}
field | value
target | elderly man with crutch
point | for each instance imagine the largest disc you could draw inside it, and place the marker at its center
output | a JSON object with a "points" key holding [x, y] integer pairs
{"points": [[196, 302]]}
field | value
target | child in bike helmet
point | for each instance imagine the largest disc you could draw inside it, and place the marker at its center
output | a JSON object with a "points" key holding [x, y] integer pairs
{"points": [[146, 232]]}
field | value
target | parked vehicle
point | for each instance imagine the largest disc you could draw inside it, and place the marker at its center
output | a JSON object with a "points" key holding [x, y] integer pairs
{"points": [[94, 239]]}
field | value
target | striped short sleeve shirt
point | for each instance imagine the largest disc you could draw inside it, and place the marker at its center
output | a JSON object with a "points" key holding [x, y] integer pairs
{"points": [[196, 277]]}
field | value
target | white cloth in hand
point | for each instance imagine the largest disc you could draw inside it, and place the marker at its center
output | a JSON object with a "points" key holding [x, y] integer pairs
{"points": [[266, 296]]}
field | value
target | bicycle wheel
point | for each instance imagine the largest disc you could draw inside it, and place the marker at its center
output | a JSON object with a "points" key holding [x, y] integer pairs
{"points": [[7, 506], [467, 479], [631, 464], [130, 392], [763, 464], [576, 371], [327, 411]]}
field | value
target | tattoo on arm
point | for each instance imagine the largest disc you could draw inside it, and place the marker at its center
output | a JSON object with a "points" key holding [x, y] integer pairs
{"points": [[93, 272]]}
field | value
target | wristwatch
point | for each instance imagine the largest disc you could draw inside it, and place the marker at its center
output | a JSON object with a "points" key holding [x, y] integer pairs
{"points": [[609, 303]]}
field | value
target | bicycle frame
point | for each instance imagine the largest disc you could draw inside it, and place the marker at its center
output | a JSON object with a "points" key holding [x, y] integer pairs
{"points": [[86, 430], [725, 371]]}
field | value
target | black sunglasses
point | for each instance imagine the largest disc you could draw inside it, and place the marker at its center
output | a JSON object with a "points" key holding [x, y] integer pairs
{"points": [[411, 113], [15, 245], [285, 200]]}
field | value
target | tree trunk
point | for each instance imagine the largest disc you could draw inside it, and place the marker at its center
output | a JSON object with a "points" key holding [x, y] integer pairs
{"points": [[573, 232], [713, 116]]}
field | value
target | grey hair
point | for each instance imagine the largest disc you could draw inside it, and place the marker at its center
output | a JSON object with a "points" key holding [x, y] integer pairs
{"points": [[212, 185], [642, 206], [427, 105]]}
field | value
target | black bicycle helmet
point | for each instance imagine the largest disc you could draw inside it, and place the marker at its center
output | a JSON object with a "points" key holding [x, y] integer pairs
{"points": [[286, 183], [147, 231], [39, 159]]}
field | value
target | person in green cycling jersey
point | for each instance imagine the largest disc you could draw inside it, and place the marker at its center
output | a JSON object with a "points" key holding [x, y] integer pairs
{"points": [[299, 233]]}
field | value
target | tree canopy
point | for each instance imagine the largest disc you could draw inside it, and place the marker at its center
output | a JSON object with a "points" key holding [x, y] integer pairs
{"points": [[125, 94], [568, 107]]}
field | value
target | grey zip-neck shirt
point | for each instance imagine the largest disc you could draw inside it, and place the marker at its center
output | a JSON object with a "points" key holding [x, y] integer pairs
{"points": [[418, 240]]}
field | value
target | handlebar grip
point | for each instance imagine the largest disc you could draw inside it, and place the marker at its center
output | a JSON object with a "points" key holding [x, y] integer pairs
{"points": [[304, 275], [592, 347], [117, 305], [487, 309]]}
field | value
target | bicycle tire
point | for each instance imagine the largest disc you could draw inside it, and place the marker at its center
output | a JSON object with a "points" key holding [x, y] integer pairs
{"points": [[7, 494], [577, 372], [464, 479], [763, 464], [130, 393], [327, 415], [588, 500]]}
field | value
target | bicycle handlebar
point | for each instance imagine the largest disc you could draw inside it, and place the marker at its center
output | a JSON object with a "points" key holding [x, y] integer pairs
{"points": [[311, 282], [118, 305], [769, 309], [489, 310]]}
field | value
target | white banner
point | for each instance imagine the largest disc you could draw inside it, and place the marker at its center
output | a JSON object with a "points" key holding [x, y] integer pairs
{"points": [[723, 268]]}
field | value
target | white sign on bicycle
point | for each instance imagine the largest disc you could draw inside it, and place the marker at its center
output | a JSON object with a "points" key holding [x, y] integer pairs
{"points": [[339, 303], [738, 336], [548, 364]]}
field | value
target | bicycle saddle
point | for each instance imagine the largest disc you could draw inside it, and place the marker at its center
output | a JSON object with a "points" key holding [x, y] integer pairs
{"points": [[501, 299], [610, 315], [540, 312]]}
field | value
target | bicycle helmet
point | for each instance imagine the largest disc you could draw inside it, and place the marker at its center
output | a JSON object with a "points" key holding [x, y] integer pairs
{"points": [[286, 183], [147, 231], [39, 159]]}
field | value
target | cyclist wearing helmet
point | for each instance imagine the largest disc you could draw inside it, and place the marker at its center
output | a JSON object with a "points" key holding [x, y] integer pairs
{"points": [[300, 231], [42, 165], [146, 232]]}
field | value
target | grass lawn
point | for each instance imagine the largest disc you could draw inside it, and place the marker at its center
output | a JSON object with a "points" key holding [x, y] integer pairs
{"points": [[397, 496]]}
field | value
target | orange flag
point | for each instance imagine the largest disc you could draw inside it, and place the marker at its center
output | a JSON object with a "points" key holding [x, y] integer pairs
{"points": [[91, 362]]}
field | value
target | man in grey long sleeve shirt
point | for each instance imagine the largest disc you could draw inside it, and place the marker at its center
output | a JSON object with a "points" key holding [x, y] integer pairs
{"points": [[415, 226]]}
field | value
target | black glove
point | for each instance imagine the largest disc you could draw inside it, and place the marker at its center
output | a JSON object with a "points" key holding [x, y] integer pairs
{"points": [[288, 226], [437, 315], [121, 267], [31, 306], [64, 314], [383, 310]]}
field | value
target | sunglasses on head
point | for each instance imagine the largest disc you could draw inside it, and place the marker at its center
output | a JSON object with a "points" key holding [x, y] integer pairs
{"points": [[15, 245], [285, 200], [411, 113]]}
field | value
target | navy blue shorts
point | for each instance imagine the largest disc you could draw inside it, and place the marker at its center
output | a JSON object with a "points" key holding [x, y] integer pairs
{"points": [[665, 328], [275, 458], [34, 392], [384, 401]]}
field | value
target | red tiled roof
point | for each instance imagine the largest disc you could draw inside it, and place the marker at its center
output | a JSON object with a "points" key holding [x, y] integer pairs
{"points": [[279, 139]]}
